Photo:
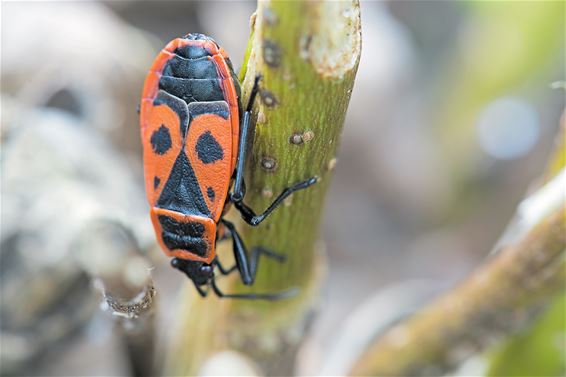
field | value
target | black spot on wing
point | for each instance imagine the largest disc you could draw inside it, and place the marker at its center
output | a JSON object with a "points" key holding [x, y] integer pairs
{"points": [[219, 108], [191, 90], [177, 105], [156, 182], [182, 192], [161, 140], [208, 149], [210, 193], [201, 68]]}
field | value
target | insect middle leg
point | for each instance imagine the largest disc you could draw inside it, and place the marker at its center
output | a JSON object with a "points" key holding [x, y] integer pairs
{"points": [[239, 191], [248, 268]]}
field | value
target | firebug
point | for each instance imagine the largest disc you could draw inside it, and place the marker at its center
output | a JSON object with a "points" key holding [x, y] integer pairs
{"points": [[195, 137]]}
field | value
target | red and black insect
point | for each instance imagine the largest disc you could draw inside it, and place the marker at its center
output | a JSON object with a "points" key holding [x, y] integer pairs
{"points": [[194, 150]]}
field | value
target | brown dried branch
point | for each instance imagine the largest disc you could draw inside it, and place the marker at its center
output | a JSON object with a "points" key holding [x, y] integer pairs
{"points": [[122, 275], [495, 300]]}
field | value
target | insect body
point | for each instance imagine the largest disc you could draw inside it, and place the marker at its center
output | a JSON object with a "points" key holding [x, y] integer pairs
{"points": [[194, 145]]}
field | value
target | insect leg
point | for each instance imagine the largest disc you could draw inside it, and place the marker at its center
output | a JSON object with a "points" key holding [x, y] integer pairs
{"points": [[253, 94], [223, 270], [254, 296], [240, 254], [249, 215], [247, 268], [257, 251], [239, 185], [201, 291], [239, 191]]}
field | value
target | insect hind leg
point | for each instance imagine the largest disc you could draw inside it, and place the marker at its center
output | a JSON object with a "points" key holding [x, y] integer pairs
{"points": [[254, 296], [248, 267]]}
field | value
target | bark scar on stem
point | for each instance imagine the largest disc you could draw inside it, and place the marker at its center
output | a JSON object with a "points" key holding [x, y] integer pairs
{"points": [[333, 48]]}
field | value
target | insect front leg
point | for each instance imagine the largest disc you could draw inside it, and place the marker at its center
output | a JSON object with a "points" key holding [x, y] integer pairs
{"points": [[239, 191], [239, 186]]}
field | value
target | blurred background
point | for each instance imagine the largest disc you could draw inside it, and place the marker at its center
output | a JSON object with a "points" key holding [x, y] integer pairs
{"points": [[453, 116]]}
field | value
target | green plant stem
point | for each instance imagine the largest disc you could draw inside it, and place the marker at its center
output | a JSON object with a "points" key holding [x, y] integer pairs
{"points": [[307, 53]]}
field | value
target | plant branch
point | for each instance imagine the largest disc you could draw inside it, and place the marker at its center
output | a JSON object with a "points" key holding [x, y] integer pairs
{"points": [[494, 300], [307, 53], [497, 299], [120, 272]]}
